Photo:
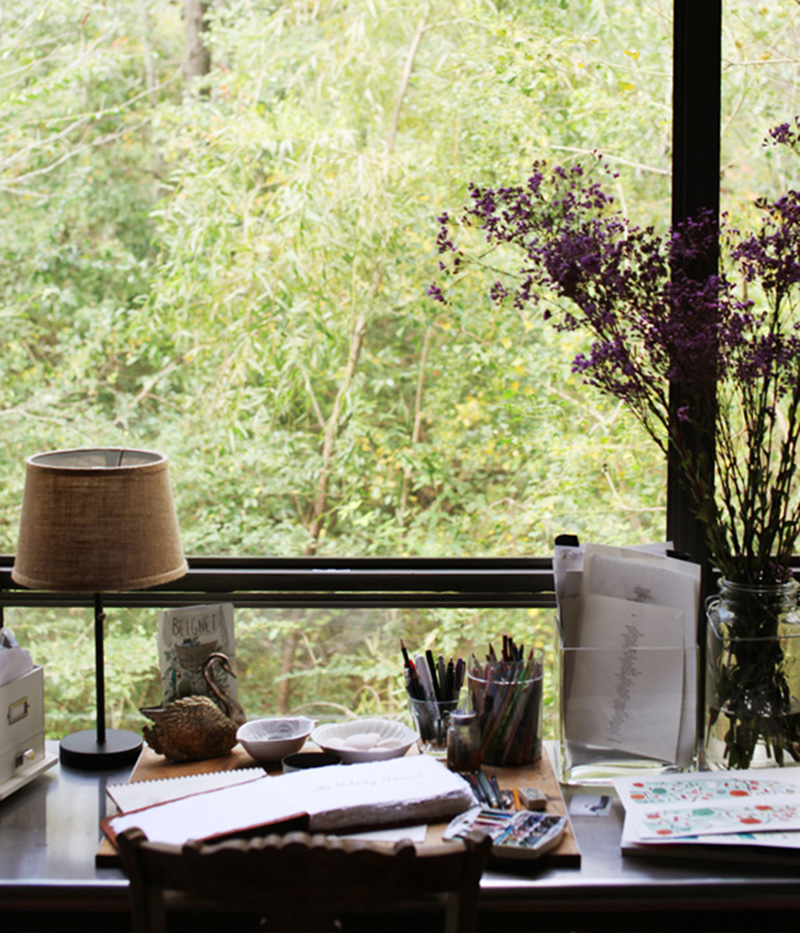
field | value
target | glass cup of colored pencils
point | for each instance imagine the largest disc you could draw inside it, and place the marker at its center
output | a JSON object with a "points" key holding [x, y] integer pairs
{"points": [[506, 693]]}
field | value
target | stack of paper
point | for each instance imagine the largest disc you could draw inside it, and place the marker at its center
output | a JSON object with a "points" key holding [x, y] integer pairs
{"points": [[628, 620], [720, 813]]}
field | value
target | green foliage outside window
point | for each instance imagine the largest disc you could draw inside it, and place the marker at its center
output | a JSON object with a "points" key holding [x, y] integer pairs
{"points": [[232, 269]]}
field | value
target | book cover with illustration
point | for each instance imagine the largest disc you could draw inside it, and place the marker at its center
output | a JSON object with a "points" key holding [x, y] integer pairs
{"points": [[186, 637]]}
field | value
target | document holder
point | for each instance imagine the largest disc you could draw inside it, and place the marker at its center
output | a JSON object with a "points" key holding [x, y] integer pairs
{"points": [[622, 711]]}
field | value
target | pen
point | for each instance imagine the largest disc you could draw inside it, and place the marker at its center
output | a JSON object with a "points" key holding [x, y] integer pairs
{"points": [[460, 667], [434, 679], [479, 789], [424, 677], [488, 792], [413, 685], [497, 794], [449, 679]]}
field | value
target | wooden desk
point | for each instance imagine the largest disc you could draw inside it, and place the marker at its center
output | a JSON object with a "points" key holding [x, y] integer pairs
{"points": [[49, 837]]}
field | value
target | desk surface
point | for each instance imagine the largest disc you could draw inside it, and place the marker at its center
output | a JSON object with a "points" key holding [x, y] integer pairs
{"points": [[49, 837]]}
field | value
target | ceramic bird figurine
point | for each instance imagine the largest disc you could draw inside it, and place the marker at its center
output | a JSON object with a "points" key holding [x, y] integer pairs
{"points": [[195, 727]]}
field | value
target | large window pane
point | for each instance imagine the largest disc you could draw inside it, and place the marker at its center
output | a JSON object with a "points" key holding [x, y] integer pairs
{"points": [[233, 269]]}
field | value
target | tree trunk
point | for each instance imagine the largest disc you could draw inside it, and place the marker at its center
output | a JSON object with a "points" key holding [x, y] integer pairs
{"points": [[287, 666], [197, 60]]}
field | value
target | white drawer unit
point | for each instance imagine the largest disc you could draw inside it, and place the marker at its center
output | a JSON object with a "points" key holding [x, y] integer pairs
{"points": [[22, 754]]}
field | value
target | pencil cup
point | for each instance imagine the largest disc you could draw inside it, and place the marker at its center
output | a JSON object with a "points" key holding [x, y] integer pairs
{"points": [[431, 719], [507, 696]]}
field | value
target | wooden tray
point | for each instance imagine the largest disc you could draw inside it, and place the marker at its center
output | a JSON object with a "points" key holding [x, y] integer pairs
{"points": [[151, 766]]}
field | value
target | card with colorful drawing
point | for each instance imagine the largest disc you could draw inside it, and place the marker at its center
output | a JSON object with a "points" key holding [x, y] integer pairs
{"points": [[692, 805]]}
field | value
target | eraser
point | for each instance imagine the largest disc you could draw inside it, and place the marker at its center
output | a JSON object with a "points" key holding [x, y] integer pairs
{"points": [[532, 798]]}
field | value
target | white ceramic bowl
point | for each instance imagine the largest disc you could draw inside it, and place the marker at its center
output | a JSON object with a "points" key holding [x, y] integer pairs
{"points": [[270, 740], [365, 739]]}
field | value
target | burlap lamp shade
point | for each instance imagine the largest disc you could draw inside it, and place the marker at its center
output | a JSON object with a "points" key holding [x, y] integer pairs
{"points": [[94, 520], [97, 519]]}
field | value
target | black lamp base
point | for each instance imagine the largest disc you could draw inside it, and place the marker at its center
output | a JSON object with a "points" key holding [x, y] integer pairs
{"points": [[82, 751]]}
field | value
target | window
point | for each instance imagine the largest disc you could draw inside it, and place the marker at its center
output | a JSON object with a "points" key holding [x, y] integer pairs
{"points": [[232, 269]]}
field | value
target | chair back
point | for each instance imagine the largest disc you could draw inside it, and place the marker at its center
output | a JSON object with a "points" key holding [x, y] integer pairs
{"points": [[302, 882]]}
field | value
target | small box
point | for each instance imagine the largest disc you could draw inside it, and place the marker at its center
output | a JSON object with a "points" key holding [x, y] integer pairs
{"points": [[22, 753]]}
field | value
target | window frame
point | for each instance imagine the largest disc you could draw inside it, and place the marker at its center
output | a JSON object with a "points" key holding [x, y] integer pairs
{"points": [[316, 582]]}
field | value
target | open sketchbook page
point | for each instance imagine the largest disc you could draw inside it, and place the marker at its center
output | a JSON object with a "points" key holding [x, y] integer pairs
{"points": [[333, 798]]}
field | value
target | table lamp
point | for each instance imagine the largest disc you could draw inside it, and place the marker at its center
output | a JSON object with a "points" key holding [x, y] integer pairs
{"points": [[93, 520]]}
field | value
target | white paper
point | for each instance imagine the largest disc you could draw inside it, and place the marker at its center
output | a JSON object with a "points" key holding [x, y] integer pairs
{"points": [[625, 686], [789, 840], [14, 662], [637, 625], [756, 807], [567, 574], [134, 795], [646, 577]]}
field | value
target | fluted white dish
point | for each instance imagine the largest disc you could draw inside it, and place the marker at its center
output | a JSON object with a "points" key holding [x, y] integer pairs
{"points": [[365, 739], [271, 739]]}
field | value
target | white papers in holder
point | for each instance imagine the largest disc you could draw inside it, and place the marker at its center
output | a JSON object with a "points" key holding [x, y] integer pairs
{"points": [[628, 622]]}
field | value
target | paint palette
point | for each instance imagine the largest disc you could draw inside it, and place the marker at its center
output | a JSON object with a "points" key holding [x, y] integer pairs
{"points": [[516, 834]]}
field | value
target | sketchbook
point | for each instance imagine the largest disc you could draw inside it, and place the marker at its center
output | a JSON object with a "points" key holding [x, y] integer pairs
{"points": [[330, 799], [139, 794]]}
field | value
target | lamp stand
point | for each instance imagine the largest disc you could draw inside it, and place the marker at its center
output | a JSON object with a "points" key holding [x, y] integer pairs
{"points": [[99, 749]]}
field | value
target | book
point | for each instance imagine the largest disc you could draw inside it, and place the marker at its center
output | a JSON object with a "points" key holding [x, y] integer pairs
{"points": [[336, 798], [185, 639]]}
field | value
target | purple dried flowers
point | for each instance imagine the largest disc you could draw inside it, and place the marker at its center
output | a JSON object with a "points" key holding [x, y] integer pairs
{"points": [[732, 338]]}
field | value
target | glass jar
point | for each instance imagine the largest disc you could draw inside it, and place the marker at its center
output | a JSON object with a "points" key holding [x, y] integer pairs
{"points": [[463, 741], [752, 684], [431, 719], [507, 697]]}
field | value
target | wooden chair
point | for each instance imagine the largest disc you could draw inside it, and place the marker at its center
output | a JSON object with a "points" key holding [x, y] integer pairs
{"points": [[299, 882]]}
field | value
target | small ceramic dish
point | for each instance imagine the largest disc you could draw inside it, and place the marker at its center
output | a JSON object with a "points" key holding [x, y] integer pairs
{"points": [[269, 740], [365, 739]]}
